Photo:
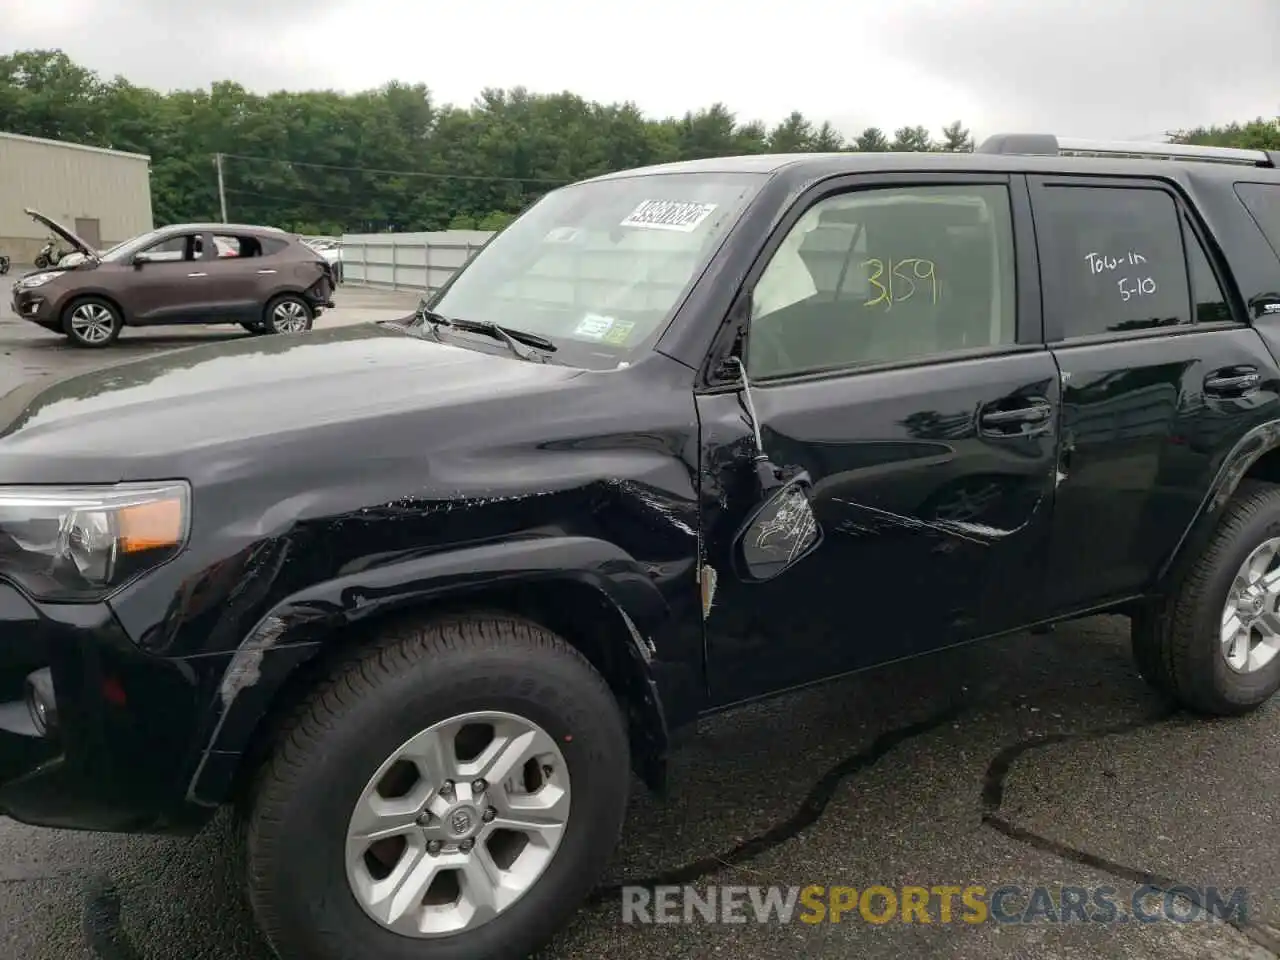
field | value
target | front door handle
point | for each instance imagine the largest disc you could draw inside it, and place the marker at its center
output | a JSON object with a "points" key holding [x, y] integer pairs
{"points": [[197, 274], [1031, 417], [1232, 381]]}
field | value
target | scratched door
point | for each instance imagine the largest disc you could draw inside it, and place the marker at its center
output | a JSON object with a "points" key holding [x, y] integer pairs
{"points": [[925, 414]]}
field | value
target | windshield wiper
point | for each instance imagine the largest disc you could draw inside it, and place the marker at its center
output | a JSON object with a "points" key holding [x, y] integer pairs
{"points": [[509, 334], [511, 337]]}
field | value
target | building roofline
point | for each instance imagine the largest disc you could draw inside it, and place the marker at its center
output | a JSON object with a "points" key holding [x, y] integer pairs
{"points": [[74, 146]]}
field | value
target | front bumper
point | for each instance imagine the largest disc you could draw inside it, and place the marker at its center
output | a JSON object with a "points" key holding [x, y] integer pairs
{"points": [[120, 742], [34, 305]]}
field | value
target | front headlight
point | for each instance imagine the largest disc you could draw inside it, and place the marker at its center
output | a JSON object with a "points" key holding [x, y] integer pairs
{"points": [[80, 543], [37, 279]]}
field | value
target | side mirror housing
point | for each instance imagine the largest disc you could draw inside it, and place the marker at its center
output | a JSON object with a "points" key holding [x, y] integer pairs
{"points": [[779, 532], [140, 258]]}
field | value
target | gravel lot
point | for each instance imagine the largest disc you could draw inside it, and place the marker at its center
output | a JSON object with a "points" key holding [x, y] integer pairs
{"points": [[1033, 760]]}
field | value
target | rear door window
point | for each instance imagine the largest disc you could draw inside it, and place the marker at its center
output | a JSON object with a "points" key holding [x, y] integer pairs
{"points": [[1121, 258], [1262, 200], [238, 245]]}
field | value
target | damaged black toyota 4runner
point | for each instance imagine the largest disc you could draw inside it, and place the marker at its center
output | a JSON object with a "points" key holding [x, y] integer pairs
{"points": [[419, 597]]}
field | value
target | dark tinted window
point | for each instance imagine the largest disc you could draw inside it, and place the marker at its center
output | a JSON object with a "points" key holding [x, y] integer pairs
{"points": [[1112, 259], [1263, 203], [1206, 291]]}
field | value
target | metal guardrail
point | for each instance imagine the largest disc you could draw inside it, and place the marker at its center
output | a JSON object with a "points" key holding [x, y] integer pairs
{"points": [[408, 261]]}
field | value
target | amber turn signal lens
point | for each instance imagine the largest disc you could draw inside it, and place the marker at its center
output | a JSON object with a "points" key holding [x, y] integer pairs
{"points": [[148, 526]]}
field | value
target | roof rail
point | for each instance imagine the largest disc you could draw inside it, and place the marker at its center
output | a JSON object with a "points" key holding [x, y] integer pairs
{"points": [[1046, 144]]}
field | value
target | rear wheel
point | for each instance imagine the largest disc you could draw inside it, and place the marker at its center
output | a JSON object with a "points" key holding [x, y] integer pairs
{"points": [[91, 322], [452, 792], [288, 313], [1213, 648]]}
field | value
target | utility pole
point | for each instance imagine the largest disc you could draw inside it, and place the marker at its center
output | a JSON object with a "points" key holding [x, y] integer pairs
{"points": [[222, 190]]}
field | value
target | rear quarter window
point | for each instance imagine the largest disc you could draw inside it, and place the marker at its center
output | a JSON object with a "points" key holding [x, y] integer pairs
{"points": [[1262, 200]]}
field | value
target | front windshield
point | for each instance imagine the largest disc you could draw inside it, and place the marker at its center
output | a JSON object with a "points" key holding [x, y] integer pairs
{"points": [[123, 251], [599, 267]]}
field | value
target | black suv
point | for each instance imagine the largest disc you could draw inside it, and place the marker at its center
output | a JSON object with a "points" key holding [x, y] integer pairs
{"points": [[419, 597]]}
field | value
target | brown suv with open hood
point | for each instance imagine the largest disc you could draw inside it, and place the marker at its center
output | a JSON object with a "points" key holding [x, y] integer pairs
{"points": [[262, 278]]}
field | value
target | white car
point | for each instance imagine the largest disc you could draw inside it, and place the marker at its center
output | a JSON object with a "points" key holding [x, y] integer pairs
{"points": [[330, 249]]}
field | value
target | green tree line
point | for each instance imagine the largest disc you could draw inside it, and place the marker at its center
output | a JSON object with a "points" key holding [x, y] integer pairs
{"points": [[324, 162]]}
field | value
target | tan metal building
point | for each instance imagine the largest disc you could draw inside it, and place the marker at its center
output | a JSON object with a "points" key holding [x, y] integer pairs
{"points": [[102, 195]]}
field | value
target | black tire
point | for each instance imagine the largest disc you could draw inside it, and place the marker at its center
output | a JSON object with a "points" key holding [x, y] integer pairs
{"points": [[272, 321], [412, 677], [1148, 654], [100, 309], [1177, 647]]}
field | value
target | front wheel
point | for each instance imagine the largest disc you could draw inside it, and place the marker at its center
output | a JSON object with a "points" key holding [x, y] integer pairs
{"points": [[1213, 648], [288, 313], [91, 322], [453, 792]]}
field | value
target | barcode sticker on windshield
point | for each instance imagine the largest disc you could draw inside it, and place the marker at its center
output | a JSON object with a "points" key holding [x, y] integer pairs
{"points": [[669, 215], [593, 326]]}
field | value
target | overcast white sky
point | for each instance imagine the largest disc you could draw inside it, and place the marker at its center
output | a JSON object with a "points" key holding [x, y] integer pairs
{"points": [[1115, 68]]}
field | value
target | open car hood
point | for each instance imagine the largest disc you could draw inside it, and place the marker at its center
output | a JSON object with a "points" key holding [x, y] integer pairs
{"points": [[76, 242]]}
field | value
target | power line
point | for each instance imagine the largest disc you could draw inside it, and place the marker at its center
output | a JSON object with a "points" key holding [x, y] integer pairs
{"points": [[397, 173], [295, 200]]}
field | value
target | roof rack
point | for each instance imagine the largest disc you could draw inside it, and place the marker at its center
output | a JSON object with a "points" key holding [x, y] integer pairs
{"points": [[1046, 144]]}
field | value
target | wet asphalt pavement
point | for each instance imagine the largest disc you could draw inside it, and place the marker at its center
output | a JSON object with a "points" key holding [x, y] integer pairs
{"points": [[1033, 760]]}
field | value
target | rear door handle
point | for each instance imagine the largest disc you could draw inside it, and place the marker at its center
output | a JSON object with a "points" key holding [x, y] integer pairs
{"points": [[266, 271], [1232, 381], [1032, 417], [197, 274]]}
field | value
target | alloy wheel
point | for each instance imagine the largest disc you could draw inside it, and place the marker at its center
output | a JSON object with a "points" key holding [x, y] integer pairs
{"points": [[92, 323], [289, 316], [458, 824], [1251, 616]]}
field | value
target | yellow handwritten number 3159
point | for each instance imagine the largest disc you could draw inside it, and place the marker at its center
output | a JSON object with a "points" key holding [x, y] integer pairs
{"points": [[920, 268]]}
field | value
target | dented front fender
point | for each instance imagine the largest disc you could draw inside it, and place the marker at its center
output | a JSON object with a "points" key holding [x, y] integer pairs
{"points": [[303, 625]]}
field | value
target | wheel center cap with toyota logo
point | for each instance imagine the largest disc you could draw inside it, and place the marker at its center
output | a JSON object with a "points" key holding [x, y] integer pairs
{"points": [[1251, 605], [461, 821]]}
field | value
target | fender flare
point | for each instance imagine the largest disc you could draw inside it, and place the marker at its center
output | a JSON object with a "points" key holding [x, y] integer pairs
{"points": [[1248, 450], [297, 629], [126, 317]]}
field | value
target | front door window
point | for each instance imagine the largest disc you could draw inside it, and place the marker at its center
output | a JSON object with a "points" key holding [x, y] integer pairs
{"points": [[886, 276]]}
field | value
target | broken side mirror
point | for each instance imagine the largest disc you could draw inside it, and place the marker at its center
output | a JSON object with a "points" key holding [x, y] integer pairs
{"points": [[781, 529], [778, 533]]}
